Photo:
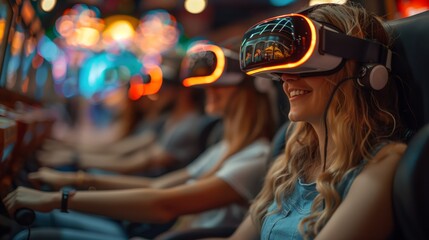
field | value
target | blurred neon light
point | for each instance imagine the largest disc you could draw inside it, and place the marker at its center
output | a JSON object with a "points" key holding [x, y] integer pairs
{"points": [[106, 71], [157, 32], [187, 82], [47, 5], [119, 30], [195, 6], [138, 88], [281, 3]]}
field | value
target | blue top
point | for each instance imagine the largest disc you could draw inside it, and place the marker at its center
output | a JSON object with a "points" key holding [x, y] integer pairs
{"points": [[283, 224]]}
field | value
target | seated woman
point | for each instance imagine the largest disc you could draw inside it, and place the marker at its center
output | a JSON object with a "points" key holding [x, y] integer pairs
{"points": [[218, 186], [166, 138], [335, 178]]}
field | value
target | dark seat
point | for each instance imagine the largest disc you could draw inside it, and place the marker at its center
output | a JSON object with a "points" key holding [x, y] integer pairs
{"points": [[279, 141], [411, 183], [411, 189], [409, 65]]}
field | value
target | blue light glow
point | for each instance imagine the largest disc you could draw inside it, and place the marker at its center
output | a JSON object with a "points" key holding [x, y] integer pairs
{"points": [[281, 3], [48, 49], [107, 71]]}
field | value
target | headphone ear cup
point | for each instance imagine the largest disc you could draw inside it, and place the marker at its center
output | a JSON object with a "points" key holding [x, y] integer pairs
{"points": [[374, 76]]}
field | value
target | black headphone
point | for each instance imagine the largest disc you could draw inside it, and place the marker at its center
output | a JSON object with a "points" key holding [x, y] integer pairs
{"points": [[374, 76]]}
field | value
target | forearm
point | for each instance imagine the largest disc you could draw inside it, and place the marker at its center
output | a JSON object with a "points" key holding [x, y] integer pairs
{"points": [[124, 146], [119, 164], [90, 160], [109, 182], [171, 179], [137, 205], [131, 144]]}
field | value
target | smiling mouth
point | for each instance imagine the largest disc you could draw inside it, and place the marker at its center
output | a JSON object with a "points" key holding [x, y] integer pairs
{"points": [[297, 92]]}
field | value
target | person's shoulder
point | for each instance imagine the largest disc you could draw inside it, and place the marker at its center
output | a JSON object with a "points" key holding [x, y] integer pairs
{"points": [[259, 148], [261, 144], [392, 151], [383, 164]]}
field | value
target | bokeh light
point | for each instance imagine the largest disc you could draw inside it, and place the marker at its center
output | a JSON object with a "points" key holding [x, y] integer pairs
{"points": [[47, 5], [157, 32], [195, 6]]}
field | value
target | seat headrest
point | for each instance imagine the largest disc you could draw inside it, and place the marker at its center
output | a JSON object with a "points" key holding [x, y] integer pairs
{"points": [[410, 64]]}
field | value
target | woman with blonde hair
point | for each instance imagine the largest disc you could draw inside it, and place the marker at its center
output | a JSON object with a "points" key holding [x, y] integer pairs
{"points": [[218, 186], [334, 180]]}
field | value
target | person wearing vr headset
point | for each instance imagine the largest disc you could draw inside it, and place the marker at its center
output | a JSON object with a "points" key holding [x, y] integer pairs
{"points": [[166, 138], [217, 187], [334, 180]]}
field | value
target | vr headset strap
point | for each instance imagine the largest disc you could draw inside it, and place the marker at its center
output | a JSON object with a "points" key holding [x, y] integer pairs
{"points": [[361, 50]]}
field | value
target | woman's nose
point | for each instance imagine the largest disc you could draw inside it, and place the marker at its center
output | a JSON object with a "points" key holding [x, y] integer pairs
{"points": [[289, 77]]}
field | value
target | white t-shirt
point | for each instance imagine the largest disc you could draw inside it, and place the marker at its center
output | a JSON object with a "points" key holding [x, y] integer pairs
{"points": [[243, 171]]}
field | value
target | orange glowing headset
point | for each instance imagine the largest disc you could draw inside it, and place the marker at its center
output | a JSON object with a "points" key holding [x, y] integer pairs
{"points": [[148, 82], [296, 44], [211, 64]]}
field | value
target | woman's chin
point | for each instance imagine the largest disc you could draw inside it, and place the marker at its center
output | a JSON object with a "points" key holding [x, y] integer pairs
{"points": [[293, 117]]}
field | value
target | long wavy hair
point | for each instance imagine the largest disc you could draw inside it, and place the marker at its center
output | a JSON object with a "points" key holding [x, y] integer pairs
{"points": [[249, 116], [358, 119]]}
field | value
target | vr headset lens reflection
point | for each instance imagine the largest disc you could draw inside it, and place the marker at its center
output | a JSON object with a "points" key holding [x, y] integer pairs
{"points": [[287, 45], [210, 64], [296, 44]]}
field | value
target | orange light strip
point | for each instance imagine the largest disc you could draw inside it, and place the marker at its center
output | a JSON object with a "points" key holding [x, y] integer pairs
{"points": [[155, 84], [302, 60], [191, 81], [138, 88]]}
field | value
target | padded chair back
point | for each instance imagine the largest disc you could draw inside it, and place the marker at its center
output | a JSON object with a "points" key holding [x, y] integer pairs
{"points": [[279, 141], [411, 189], [411, 183], [410, 64]]}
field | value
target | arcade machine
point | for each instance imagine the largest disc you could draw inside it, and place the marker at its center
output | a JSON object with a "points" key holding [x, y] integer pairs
{"points": [[24, 122]]}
